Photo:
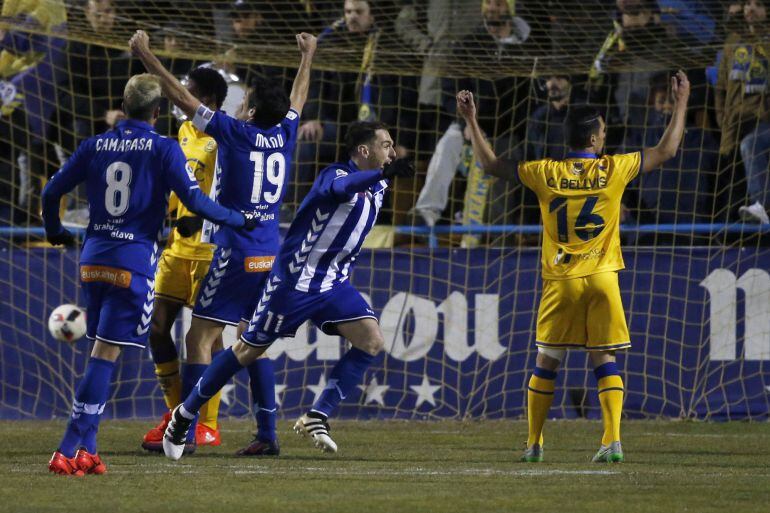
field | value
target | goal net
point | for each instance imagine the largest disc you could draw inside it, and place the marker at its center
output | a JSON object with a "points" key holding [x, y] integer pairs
{"points": [[452, 267]]}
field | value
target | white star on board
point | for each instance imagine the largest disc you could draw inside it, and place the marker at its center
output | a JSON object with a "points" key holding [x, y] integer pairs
{"points": [[318, 389], [227, 394], [425, 392], [278, 391], [374, 392]]}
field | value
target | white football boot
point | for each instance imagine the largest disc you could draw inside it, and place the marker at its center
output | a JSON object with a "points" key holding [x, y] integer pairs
{"points": [[176, 434], [318, 431]]}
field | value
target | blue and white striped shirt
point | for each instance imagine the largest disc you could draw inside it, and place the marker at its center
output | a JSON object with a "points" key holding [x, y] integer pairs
{"points": [[326, 236]]}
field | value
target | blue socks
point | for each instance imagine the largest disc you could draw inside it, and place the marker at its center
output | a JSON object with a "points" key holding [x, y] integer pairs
{"points": [[191, 373], [90, 398], [262, 384], [222, 368], [344, 377]]}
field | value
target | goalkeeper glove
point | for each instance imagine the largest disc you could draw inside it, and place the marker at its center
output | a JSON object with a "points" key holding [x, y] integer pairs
{"points": [[402, 167], [187, 226], [63, 238]]}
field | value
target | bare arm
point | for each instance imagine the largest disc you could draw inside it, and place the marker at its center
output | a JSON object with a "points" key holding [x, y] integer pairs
{"points": [[298, 97], [666, 148], [489, 161], [172, 88]]}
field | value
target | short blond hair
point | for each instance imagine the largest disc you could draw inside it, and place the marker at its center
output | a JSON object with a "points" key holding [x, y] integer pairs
{"points": [[141, 96]]}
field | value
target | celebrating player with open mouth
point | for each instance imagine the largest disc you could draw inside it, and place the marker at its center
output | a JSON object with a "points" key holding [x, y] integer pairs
{"points": [[310, 282], [580, 206]]}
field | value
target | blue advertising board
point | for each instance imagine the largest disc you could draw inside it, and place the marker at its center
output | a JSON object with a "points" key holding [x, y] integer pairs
{"points": [[459, 327]]}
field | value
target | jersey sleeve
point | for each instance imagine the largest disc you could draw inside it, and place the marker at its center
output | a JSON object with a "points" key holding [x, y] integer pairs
{"points": [[290, 125], [74, 171], [525, 173], [345, 187], [342, 185], [217, 124], [181, 180], [324, 184], [627, 165]]}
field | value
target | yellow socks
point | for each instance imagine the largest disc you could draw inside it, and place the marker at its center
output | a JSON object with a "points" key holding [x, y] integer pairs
{"points": [[539, 399], [170, 382], [210, 411], [610, 386]]}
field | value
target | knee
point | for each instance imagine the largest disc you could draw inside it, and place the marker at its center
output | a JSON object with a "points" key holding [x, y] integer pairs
{"points": [[197, 347], [372, 344], [549, 359], [246, 354]]}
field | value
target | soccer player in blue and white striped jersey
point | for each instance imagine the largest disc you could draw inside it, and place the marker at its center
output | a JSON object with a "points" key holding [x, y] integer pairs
{"points": [[310, 282]]}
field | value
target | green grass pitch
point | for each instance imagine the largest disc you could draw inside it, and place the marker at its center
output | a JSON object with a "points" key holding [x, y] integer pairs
{"points": [[446, 466]]}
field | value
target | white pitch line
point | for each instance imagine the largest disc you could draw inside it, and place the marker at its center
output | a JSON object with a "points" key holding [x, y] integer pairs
{"points": [[174, 469], [701, 435]]}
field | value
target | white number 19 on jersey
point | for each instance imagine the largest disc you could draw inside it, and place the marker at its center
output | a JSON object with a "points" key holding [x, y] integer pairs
{"points": [[274, 170]]}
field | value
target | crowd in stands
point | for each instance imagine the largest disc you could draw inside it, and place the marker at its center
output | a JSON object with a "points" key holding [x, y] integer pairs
{"points": [[56, 92]]}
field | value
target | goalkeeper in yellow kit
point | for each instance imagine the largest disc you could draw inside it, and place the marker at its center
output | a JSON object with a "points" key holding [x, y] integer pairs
{"points": [[580, 305], [184, 263]]}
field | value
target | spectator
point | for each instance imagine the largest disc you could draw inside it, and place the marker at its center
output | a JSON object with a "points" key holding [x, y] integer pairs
{"points": [[98, 75], [545, 128], [732, 20], [250, 25], [636, 41], [340, 97], [498, 38], [284, 18], [743, 105], [246, 19], [430, 29], [31, 69], [689, 21], [675, 193], [572, 25]]}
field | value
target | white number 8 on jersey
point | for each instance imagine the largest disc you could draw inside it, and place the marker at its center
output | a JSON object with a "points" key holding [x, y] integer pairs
{"points": [[118, 177]]}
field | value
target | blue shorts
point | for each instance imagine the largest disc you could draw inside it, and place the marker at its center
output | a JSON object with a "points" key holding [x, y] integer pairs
{"points": [[231, 289], [119, 305], [283, 309]]}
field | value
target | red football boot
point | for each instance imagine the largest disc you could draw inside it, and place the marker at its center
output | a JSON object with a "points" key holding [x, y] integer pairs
{"points": [[204, 435], [90, 463], [153, 440], [62, 465]]}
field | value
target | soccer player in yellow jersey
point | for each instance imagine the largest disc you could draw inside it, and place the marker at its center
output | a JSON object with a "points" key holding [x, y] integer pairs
{"points": [[580, 305], [184, 263]]}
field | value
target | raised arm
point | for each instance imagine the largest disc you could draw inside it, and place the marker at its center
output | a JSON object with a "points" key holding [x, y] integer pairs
{"points": [[345, 185], [489, 161], [307, 45], [172, 88], [666, 148]]}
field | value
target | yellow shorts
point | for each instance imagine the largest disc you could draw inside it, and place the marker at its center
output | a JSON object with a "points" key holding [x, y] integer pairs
{"points": [[582, 312], [179, 279]]}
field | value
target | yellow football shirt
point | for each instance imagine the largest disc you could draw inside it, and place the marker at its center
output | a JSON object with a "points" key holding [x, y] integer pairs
{"points": [[580, 205], [200, 150]]}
